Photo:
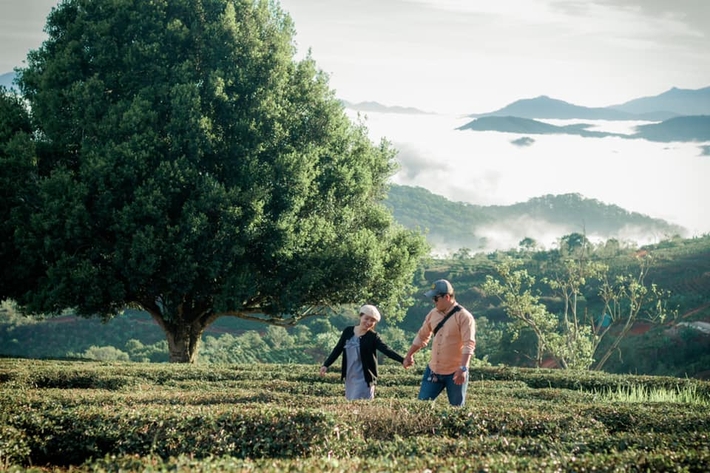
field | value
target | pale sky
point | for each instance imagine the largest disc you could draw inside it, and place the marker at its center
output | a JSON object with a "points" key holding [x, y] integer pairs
{"points": [[471, 56]]}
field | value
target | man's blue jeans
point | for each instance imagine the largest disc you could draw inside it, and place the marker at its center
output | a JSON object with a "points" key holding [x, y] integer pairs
{"points": [[433, 384]]}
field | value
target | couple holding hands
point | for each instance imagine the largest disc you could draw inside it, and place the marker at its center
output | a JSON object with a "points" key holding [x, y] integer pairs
{"points": [[450, 328]]}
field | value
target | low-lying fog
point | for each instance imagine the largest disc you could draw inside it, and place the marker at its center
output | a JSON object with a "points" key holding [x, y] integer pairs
{"points": [[662, 180]]}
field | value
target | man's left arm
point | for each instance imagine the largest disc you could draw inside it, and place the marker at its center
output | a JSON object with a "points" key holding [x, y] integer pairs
{"points": [[468, 337]]}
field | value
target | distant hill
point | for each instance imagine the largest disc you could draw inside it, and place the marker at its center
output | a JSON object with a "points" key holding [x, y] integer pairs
{"points": [[378, 107], [510, 124], [598, 218], [450, 226], [691, 128], [546, 107], [675, 102], [6, 80]]}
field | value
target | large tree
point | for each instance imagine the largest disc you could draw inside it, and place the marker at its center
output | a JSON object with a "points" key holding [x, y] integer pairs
{"points": [[188, 164]]}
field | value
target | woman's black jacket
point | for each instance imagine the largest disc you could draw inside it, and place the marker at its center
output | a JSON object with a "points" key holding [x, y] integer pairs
{"points": [[369, 343]]}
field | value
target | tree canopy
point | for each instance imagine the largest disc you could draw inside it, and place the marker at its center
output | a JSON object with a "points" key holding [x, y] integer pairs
{"points": [[16, 183], [183, 162]]}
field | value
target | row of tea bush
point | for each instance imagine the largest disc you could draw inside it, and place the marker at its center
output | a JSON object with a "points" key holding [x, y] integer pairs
{"points": [[92, 416]]}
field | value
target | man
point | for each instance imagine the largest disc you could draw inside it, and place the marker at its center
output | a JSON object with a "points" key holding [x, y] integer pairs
{"points": [[453, 345]]}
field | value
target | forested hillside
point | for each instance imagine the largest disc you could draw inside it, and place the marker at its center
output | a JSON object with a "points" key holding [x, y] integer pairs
{"points": [[450, 226]]}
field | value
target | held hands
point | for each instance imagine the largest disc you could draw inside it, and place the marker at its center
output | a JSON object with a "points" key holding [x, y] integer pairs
{"points": [[408, 361], [323, 370]]}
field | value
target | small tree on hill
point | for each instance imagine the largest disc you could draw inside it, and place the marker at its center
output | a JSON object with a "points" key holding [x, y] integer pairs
{"points": [[187, 165], [572, 274], [574, 337], [515, 291], [629, 299]]}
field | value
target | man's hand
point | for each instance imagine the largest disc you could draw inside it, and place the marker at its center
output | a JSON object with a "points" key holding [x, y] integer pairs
{"points": [[408, 361], [460, 376]]}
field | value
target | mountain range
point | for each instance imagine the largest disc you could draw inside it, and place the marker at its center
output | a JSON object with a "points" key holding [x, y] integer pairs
{"points": [[677, 115], [672, 103], [379, 108], [683, 115], [449, 226]]}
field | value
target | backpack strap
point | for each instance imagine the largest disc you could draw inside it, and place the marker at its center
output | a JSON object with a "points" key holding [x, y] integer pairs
{"points": [[447, 317]]}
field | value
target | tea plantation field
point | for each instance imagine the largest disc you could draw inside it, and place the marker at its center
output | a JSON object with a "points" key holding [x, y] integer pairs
{"points": [[122, 417]]}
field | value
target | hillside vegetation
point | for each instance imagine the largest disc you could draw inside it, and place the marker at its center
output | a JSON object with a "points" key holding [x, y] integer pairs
{"points": [[111, 417], [454, 225], [677, 346]]}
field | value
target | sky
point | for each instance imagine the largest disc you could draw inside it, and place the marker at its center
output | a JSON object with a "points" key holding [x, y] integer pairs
{"points": [[468, 56]]}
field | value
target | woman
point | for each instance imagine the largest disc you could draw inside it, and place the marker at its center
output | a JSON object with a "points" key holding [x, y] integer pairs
{"points": [[358, 345]]}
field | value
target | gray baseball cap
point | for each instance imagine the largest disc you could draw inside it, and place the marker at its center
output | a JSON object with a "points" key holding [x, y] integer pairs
{"points": [[440, 287]]}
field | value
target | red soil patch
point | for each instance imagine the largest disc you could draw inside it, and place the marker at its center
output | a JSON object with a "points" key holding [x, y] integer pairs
{"points": [[640, 327]]}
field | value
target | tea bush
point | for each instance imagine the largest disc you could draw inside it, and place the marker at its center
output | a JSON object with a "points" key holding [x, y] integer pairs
{"points": [[120, 416]]}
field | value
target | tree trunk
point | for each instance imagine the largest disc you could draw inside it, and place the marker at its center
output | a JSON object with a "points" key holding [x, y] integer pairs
{"points": [[614, 346], [184, 342], [183, 337]]}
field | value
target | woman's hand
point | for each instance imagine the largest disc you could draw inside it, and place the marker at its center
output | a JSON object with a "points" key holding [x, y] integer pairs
{"points": [[323, 370]]}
